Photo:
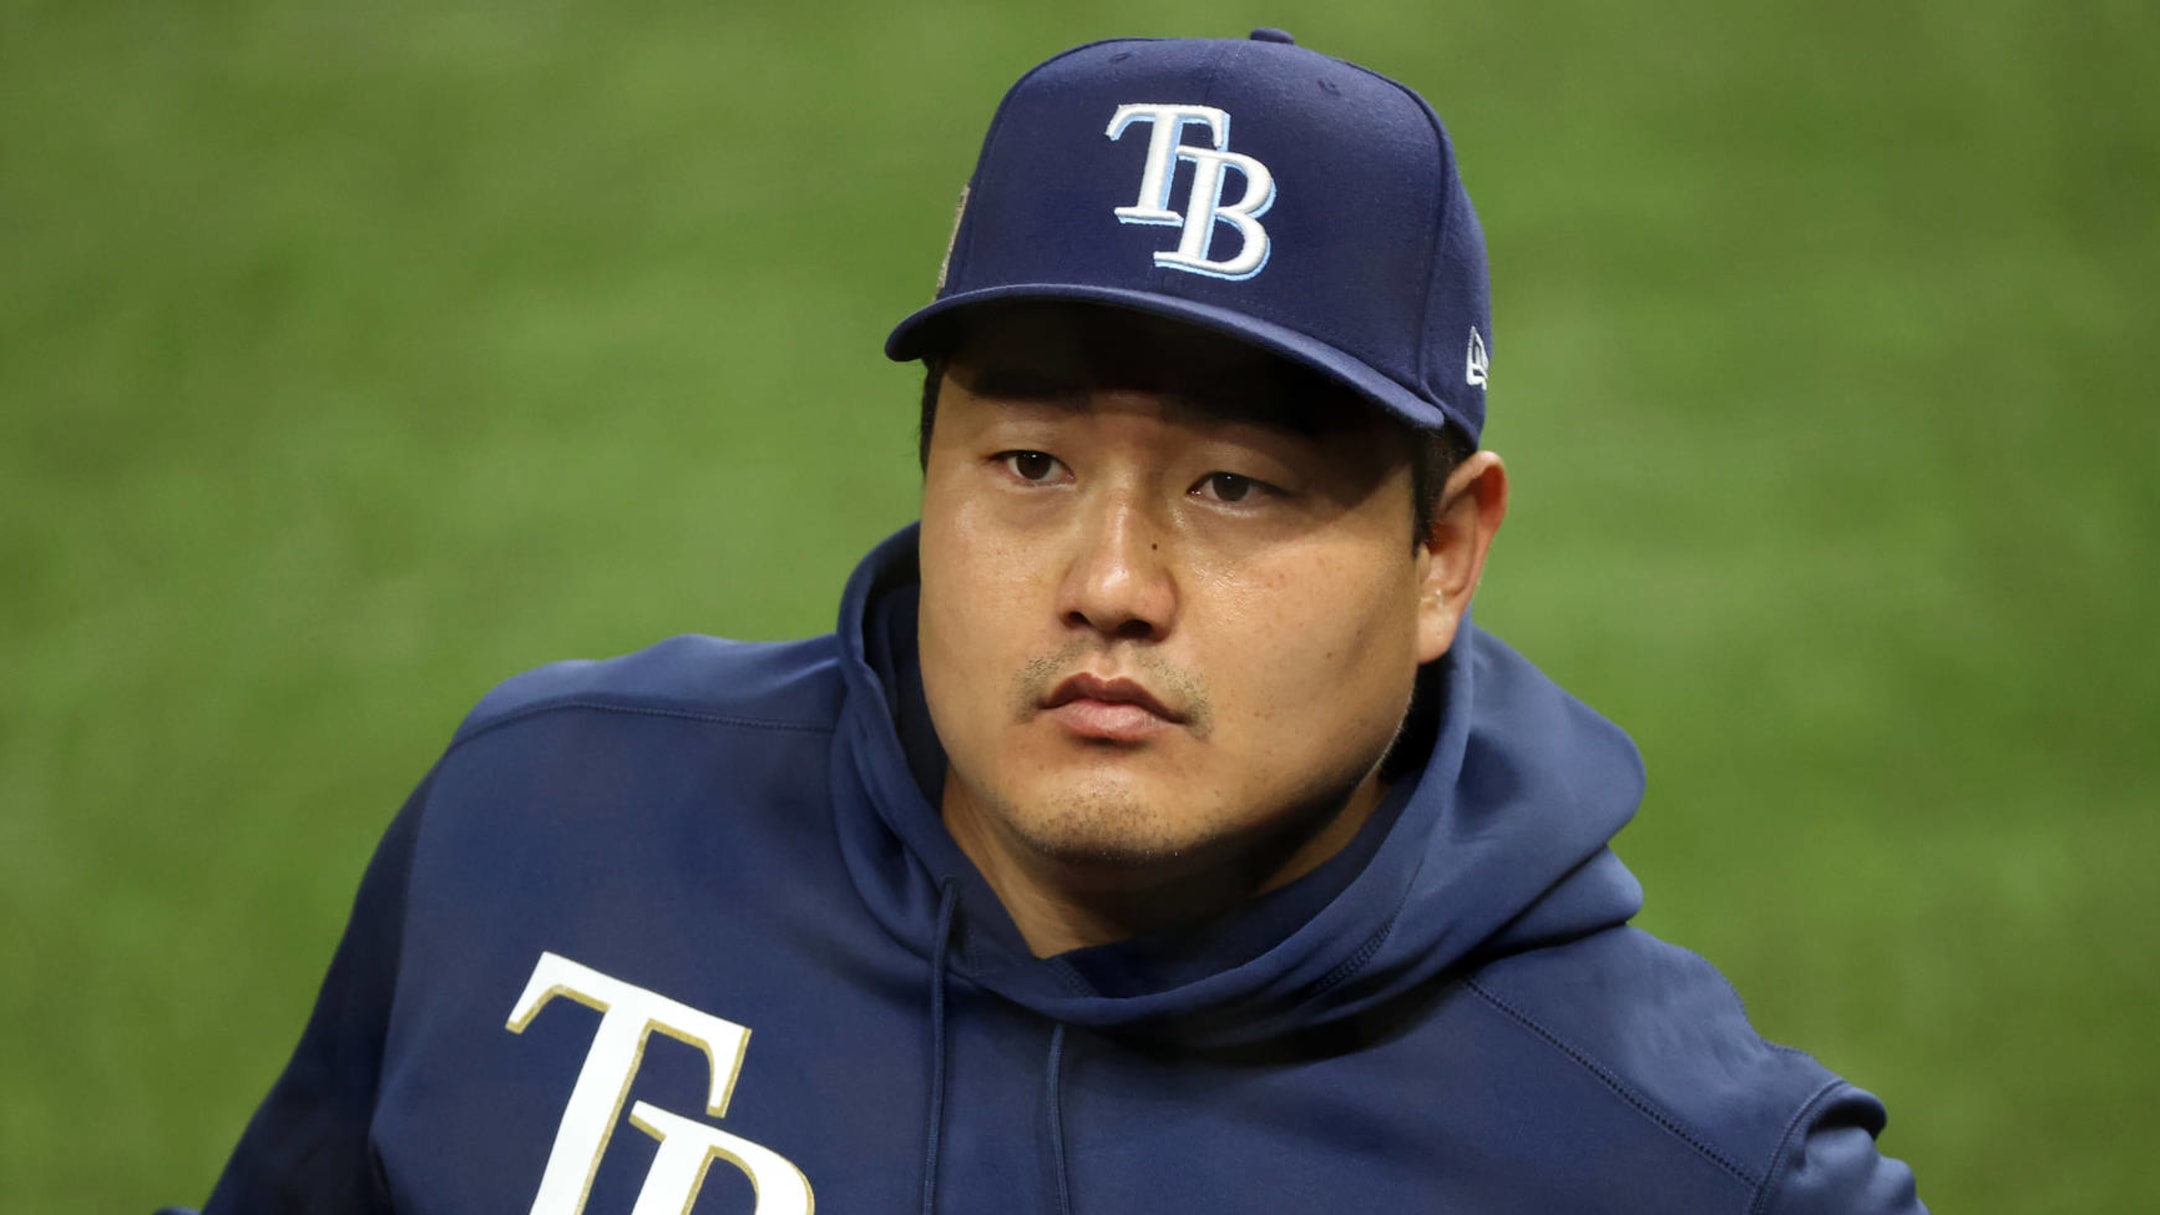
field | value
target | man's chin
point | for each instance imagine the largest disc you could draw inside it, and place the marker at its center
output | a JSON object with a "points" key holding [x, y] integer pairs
{"points": [[1113, 835], [1107, 852]]}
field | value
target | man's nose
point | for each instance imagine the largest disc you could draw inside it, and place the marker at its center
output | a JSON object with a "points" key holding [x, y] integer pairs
{"points": [[1119, 581]]}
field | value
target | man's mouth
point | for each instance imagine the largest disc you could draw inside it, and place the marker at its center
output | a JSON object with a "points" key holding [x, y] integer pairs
{"points": [[1108, 710]]}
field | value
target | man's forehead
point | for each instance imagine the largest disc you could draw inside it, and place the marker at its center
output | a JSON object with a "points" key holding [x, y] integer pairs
{"points": [[1065, 352]]}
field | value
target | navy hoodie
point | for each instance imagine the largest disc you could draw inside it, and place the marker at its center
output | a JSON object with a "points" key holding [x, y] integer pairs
{"points": [[683, 930]]}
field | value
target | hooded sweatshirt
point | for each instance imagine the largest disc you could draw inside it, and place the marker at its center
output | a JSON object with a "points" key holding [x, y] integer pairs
{"points": [[684, 931]]}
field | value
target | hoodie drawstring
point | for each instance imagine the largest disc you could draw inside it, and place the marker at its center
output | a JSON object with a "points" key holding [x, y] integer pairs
{"points": [[1057, 1120], [948, 900], [933, 1131]]}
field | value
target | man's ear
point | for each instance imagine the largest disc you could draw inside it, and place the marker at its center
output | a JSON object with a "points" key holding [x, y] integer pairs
{"points": [[1452, 557]]}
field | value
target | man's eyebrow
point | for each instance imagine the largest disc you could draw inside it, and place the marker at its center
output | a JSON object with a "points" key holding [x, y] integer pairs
{"points": [[1268, 411], [1306, 414], [1026, 384]]}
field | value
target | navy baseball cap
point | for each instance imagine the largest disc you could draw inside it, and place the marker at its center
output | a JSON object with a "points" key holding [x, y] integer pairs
{"points": [[1305, 205]]}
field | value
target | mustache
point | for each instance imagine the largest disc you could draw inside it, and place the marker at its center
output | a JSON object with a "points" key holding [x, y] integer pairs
{"points": [[1179, 689]]}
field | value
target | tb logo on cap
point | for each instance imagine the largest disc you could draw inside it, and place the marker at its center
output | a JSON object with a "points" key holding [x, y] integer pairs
{"points": [[1204, 206]]}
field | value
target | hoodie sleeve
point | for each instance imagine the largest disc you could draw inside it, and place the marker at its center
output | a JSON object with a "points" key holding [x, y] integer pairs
{"points": [[1828, 1164], [307, 1148]]}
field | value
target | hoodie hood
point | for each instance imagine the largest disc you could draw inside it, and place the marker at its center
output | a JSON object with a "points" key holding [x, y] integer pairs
{"points": [[1498, 844]]}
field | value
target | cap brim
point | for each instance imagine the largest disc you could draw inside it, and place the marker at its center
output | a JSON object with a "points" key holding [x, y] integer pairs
{"points": [[925, 331]]}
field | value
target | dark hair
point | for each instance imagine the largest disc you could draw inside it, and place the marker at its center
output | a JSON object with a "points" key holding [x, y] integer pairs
{"points": [[1434, 454]]}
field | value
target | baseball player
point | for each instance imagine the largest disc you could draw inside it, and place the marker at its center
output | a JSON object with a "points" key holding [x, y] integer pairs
{"points": [[1156, 832]]}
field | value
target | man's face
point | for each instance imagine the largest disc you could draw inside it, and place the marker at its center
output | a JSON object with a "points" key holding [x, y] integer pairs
{"points": [[1167, 613]]}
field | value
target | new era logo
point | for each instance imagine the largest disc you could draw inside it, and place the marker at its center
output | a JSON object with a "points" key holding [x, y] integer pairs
{"points": [[1477, 361]]}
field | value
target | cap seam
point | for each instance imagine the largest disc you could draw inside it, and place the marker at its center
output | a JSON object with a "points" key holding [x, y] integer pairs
{"points": [[1162, 278], [965, 247], [1444, 221]]}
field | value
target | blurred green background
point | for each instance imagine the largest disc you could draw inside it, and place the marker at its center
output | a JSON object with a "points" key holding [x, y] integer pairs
{"points": [[354, 357]]}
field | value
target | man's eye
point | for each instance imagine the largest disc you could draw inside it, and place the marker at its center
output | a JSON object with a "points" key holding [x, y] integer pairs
{"points": [[1030, 465], [1228, 487]]}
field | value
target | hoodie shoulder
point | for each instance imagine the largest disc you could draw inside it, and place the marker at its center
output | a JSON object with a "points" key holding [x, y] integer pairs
{"points": [[786, 685], [1662, 1029]]}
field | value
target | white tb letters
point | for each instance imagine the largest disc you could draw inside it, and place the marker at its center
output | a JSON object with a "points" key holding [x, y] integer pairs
{"points": [[628, 1016], [1167, 125], [687, 1149], [1204, 206]]}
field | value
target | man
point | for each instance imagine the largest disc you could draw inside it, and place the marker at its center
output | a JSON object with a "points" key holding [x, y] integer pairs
{"points": [[1156, 832]]}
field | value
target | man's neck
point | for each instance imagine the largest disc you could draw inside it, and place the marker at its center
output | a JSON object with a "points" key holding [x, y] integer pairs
{"points": [[1060, 905]]}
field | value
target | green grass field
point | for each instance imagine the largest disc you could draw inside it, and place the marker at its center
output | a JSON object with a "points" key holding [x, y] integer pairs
{"points": [[355, 357]]}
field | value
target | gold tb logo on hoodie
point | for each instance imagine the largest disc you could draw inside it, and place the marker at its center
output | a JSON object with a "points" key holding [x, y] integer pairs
{"points": [[628, 1016]]}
